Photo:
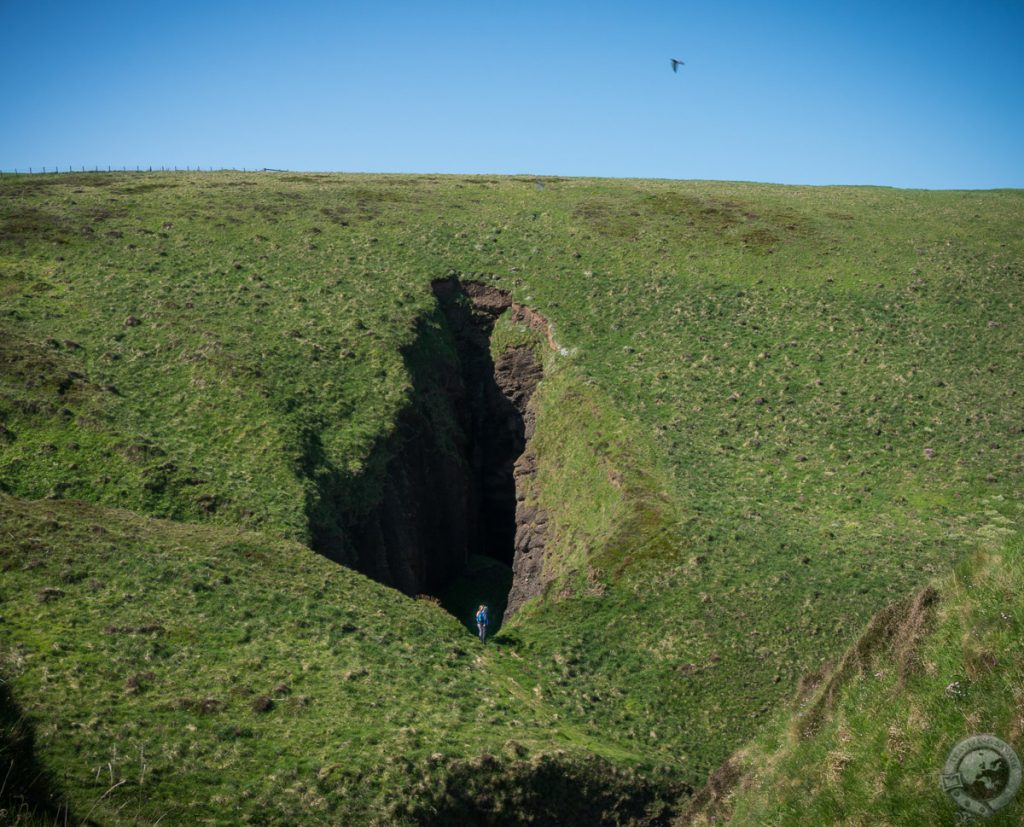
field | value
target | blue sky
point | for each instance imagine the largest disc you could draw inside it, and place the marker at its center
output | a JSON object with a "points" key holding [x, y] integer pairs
{"points": [[903, 94]]}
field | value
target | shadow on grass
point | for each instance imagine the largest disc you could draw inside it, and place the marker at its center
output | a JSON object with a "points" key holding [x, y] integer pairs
{"points": [[27, 793], [551, 789], [506, 640]]}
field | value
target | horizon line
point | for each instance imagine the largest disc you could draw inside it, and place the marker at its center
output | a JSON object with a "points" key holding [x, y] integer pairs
{"points": [[111, 169]]}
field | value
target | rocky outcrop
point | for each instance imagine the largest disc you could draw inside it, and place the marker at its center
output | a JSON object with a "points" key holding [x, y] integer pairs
{"points": [[517, 374], [531, 529]]}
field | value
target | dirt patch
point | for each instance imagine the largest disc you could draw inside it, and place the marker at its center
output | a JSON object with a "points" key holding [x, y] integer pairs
{"points": [[714, 214], [149, 186], [539, 179], [491, 301], [709, 802], [338, 215], [897, 630], [760, 240]]}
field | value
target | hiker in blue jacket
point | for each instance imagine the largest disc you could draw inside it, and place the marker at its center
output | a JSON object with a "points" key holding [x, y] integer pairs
{"points": [[481, 622]]}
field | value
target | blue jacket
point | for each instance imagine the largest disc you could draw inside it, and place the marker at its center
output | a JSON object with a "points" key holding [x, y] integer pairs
{"points": [[481, 617]]}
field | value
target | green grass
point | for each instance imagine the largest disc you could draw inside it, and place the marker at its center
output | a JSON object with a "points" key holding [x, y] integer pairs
{"points": [[775, 410], [873, 751], [210, 675]]}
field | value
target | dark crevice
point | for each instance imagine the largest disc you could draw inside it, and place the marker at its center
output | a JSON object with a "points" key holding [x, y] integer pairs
{"points": [[445, 492], [494, 424]]}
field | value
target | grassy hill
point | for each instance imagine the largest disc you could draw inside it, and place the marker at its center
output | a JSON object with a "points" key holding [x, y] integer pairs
{"points": [[209, 675], [772, 411], [863, 741]]}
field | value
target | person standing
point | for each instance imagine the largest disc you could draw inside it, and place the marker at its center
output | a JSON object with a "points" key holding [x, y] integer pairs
{"points": [[481, 622]]}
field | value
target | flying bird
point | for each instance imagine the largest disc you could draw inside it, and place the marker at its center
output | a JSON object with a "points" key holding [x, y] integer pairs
{"points": [[676, 64]]}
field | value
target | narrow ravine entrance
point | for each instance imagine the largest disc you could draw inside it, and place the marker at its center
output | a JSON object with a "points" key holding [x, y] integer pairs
{"points": [[498, 424], [447, 504]]}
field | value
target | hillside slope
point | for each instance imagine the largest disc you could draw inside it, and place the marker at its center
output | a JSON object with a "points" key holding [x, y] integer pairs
{"points": [[867, 740], [765, 414], [210, 675]]}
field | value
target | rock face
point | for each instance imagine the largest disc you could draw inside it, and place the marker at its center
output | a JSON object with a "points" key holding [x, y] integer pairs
{"points": [[459, 477], [517, 374], [513, 526]]}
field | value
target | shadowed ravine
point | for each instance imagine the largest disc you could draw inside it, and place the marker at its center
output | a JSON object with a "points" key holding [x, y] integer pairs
{"points": [[451, 518]]}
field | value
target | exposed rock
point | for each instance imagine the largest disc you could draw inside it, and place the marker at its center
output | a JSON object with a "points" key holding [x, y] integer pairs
{"points": [[516, 375]]}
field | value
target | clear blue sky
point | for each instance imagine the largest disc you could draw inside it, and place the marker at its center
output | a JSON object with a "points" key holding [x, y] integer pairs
{"points": [[910, 94]]}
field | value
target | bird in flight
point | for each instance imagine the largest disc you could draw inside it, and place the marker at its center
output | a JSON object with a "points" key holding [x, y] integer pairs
{"points": [[676, 64]]}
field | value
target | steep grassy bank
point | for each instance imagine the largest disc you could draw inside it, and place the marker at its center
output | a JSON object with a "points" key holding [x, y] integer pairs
{"points": [[211, 675], [866, 741], [770, 412]]}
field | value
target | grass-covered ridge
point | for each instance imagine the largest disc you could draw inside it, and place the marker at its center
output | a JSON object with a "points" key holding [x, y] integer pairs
{"points": [[775, 410], [870, 736], [207, 674]]}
